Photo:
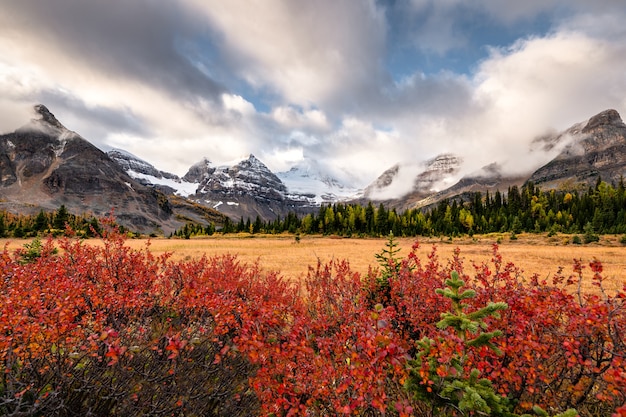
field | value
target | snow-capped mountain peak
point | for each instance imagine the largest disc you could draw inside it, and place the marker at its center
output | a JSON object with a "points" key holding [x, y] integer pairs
{"points": [[309, 179], [249, 175]]}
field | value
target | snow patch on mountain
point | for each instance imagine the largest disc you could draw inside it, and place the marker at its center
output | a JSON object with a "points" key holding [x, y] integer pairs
{"points": [[146, 173], [180, 187]]}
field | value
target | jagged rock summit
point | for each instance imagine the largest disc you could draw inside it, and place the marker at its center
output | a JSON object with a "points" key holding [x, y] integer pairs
{"points": [[47, 118], [247, 176], [199, 171], [607, 118]]}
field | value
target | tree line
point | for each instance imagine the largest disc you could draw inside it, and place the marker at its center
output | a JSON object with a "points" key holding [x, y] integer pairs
{"points": [[598, 209], [43, 223]]}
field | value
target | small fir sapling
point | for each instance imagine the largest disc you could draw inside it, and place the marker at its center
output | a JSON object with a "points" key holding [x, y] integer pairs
{"points": [[438, 375]]}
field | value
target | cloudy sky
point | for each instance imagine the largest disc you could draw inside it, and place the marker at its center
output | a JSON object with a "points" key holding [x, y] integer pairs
{"points": [[357, 85]]}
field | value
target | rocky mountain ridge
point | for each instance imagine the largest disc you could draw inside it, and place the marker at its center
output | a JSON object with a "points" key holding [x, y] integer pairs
{"points": [[129, 162], [419, 181], [43, 165]]}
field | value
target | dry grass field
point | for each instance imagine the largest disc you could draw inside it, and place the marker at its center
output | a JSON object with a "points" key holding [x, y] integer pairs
{"points": [[531, 253]]}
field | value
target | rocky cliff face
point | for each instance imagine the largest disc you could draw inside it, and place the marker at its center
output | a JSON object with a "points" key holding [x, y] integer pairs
{"points": [[46, 159], [199, 171], [44, 165], [383, 182], [438, 173], [246, 189], [597, 148]]}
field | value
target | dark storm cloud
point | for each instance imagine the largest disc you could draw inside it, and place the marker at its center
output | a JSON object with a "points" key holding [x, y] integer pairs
{"points": [[130, 39], [102, 120]]}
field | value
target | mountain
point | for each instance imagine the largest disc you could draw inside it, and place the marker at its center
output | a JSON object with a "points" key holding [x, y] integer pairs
{"points": [[148, 175], [597, 149], [419, 179], [490, 178], [131, 163], [43, 165], [247, 189]]}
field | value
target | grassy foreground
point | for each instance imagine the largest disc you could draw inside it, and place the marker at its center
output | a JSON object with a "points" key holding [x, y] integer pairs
{"points": [[531, 253]]}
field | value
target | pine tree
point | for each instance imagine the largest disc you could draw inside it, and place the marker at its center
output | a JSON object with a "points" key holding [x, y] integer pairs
{"points": [[41, 222], [390, 267], [457, 390], [61, 218]]}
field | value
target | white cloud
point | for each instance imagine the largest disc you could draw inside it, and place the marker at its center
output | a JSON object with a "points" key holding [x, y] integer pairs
{"points": [[282, 159], [359, 152], [521, 91], [238, 104], [292, 118], [556, 80]]}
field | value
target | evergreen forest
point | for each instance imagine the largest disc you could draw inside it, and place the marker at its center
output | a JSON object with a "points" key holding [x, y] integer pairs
{"points": [[600, 209]]}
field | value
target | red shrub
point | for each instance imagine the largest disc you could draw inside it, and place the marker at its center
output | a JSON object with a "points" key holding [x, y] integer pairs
{"points": [[110, 330]]}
